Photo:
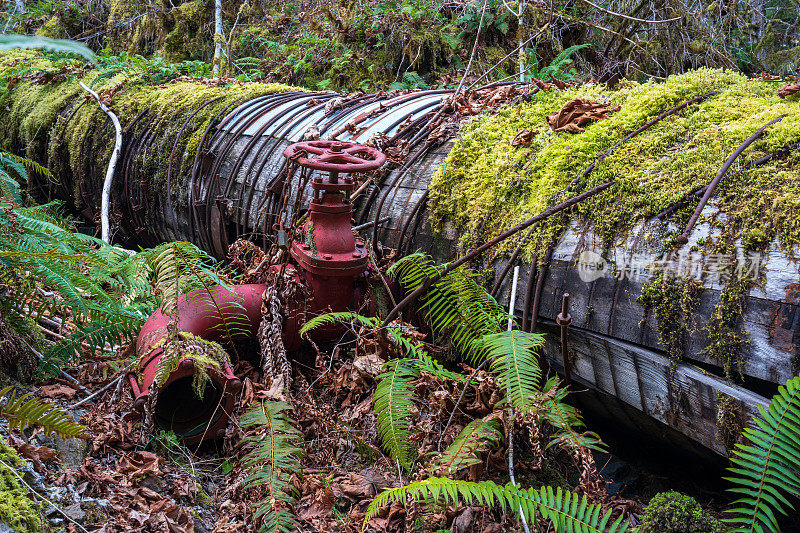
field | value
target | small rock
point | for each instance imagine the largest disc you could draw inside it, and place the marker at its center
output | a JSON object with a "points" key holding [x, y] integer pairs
{"points": [[5, 528], [75, 512], [31, 476], [96, 509], [56, 494], [154, 483], [71, 451]]}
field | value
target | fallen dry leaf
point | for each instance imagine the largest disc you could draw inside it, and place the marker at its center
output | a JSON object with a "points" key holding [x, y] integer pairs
{"points": [[37, 454], [523, 137], [139, 464], [369, 364], [319, 504], [57, 391], [789, 90], [577, 113]]}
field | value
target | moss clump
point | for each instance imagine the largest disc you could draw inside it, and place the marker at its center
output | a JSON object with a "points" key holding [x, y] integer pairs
{"points": [[673, 512], [54, 122], [672, 300], [725, 342], [731, 420], [755, 240], [16, 508], [652, 171]]}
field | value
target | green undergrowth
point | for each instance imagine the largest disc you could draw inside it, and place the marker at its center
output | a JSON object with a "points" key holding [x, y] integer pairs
{"points": [[55, 122], [16, 508], [652, 171], [673, 512]]}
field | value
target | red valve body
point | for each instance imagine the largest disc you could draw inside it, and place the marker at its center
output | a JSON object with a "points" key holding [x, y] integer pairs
{"points": [[331, 260]]}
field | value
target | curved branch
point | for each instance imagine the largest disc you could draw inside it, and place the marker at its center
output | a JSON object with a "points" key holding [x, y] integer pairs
{"points": [[628, 16], [105, 202]]}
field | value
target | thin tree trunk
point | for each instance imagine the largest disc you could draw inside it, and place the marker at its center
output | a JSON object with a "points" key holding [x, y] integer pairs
{"points": [[217, 35], [105, 201], [520, 16]]}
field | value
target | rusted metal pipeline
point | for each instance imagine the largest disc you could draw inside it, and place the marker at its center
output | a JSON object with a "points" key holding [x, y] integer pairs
{"points": [[683, 238], [210, 314], [329, 261]]}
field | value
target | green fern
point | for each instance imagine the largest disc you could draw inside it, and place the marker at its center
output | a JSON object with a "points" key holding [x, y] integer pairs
{"points": [[565, 510], [424, 362], [26, 410], [569, 426], [478, 436], [181, 268], [512, 356], [328, 319], [455, 306], [107, 290], [112, 329], [10, 185], [767, 468], [394, 392], [271, 456], [393, 406]]}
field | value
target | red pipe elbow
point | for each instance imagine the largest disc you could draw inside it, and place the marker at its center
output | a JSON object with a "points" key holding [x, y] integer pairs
{"points": [[215, 314]]}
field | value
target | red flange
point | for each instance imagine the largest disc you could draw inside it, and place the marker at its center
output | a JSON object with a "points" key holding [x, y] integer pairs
{"points": [[335, 156]]}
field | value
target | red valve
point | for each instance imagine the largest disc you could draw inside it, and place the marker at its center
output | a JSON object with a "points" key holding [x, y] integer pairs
{"points": [[335, 156]]}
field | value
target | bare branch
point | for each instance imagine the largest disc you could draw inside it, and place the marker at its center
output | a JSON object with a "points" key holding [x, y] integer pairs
{"points": [[628, 16]]}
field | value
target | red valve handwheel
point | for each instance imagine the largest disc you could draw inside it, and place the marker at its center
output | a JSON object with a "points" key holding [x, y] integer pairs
{"points": [[335, 156]]}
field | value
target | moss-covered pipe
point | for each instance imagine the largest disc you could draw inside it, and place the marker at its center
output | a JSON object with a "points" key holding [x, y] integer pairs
{"points": [[201, 159]]}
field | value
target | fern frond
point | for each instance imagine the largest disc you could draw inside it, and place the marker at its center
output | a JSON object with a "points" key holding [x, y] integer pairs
{"points": [[393, 408], [478, 436], [567, 511], [569, 425], [108, 329], [329, 319], [424, 362], [26, 410], [767, 468], [271, 456], [26, 164], [512, 356], [428, 364], [9, 187], [454, 306]]}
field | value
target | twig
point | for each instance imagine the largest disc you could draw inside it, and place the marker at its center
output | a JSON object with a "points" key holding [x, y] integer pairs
{"points": [[360, 189], [630, 17], [455, 407], [500, 238], [105, 202], [122, 374], [57, 508], [474, 47], [117, 25], [507, 56], [511, 301], [61, 372]]}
